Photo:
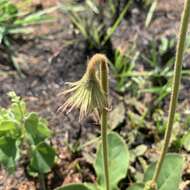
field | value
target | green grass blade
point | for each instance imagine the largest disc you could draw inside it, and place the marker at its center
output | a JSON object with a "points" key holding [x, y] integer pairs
{"points": [[117, 22]]}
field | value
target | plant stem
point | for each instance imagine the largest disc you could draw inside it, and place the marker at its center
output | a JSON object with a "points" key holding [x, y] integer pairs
{"points": [[104, 84], [103, 63], [175, 85], [42, 182]]}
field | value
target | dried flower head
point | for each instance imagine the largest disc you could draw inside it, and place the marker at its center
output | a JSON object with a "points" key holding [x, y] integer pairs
{"points": [[85, 94]]}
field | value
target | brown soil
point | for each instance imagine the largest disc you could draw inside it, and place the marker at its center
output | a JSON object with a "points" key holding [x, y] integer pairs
{"points": [[47, 63]]}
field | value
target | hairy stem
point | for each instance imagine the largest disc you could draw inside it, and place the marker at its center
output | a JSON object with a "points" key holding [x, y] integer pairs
{"points": [[175, 85], [102, 60], [104, 84]]}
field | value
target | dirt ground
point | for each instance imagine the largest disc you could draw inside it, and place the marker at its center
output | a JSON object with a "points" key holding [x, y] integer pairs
{"points": [[49, 61]]}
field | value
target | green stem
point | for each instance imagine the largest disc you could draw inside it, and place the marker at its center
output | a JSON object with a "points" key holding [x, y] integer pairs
{"points": [[104, 85], [175, 87], [103, 63], [42, 182], [105, 146]]}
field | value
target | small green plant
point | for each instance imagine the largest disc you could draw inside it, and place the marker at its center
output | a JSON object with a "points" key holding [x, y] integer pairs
{"points": [[155, 79], [159, 62], [14, 21], [25, 134], [96, 21], [123, 68], [91, 94], [165, 175]]}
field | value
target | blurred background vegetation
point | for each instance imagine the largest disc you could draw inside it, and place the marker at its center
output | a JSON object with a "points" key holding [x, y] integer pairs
{"points": [[43, 44]]}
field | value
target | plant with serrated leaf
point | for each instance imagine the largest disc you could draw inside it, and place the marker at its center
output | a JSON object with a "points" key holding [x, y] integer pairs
{"points": [[20, 128]]}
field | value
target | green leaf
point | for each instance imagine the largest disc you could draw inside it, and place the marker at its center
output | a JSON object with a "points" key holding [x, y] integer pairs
{"points": [[79, 186], [150, 13], [92, 186], [18, 109], [118, 161], [113, 28], [7, 126], [170, 175], [8, 153], [18, 106], [137, 186], [185, 141], [36, 17], [36, 128], [10, 9], [43, 156]]}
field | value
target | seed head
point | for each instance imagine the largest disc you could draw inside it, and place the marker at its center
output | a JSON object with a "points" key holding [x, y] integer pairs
{"points": [[85, 94]]}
